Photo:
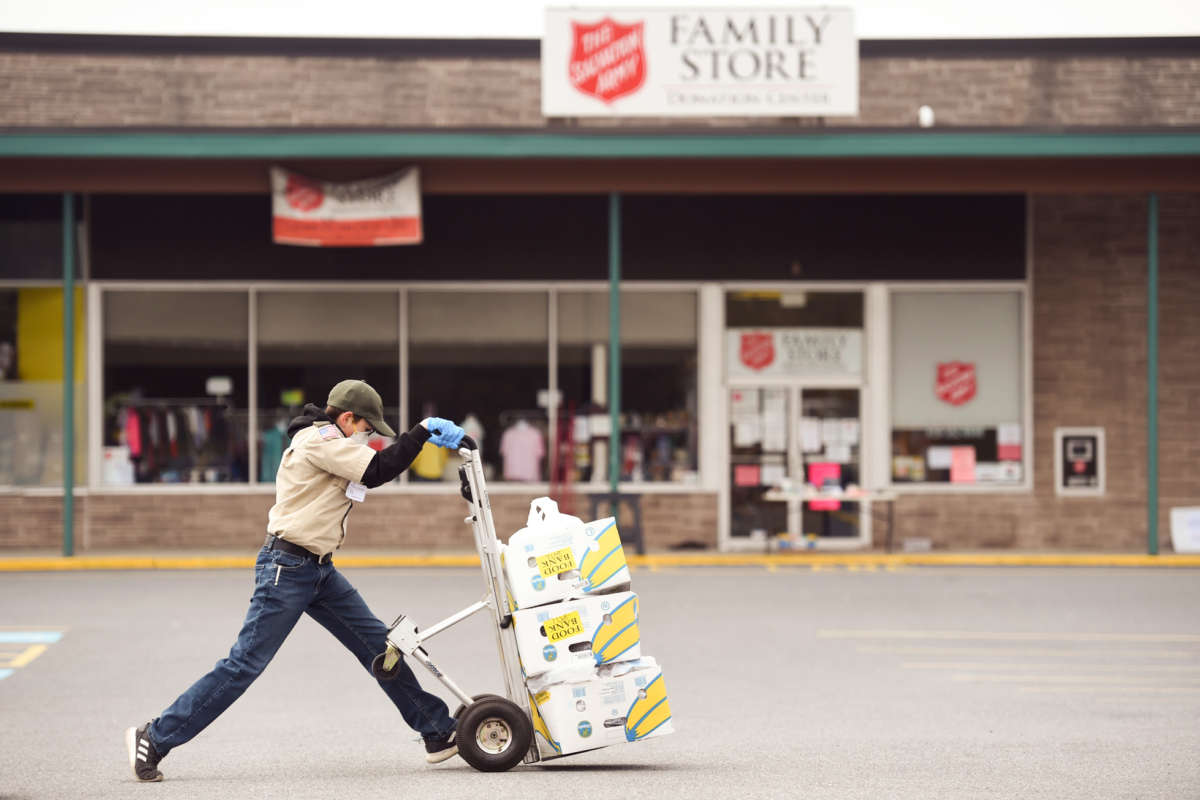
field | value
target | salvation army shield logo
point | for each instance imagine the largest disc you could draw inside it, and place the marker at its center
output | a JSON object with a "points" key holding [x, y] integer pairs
{"points": [[955, 382], [608, 59], [302, 194], [757, 350]]}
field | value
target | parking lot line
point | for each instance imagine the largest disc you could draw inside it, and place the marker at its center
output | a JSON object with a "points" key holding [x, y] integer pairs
{"points": [[1103, 650], [1013, 636], [996, 665], [974, 677], [30, 653], [1187, 691]]}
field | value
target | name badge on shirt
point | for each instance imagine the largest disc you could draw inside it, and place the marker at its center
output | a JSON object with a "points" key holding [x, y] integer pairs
{"points": [[356, 492]]}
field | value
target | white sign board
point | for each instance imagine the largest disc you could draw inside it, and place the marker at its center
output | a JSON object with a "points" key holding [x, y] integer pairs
{"points": [[707, 62], [1185, 529], [794, 352]]}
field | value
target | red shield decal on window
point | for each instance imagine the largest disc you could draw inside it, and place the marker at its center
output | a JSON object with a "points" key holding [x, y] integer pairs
{"points": [[757, 350], [303, 195], [608, 60], [955, 382]]}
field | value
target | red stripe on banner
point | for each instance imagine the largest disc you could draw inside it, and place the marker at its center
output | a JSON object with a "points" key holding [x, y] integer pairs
{"points": [[348, 232]]}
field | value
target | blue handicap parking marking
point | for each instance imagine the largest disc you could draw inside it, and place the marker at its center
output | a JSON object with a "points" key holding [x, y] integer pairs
{"points": [[30, 637], [31, 644]]}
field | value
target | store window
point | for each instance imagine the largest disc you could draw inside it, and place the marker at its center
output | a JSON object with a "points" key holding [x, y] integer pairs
{"points": [[175, 387], [31, 236], [957, 388], [310, 340], [481, 359], [658, 438], [31, 387]]}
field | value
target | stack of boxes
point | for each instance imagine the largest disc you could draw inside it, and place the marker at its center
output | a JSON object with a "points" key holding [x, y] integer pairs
{"points": [[576, 627]]}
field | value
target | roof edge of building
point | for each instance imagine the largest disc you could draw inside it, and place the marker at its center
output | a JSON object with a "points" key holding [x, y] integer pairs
{"points": [[11, 41]]}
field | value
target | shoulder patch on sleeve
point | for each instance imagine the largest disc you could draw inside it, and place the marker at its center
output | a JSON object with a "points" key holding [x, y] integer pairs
{"points": [[329, 432]]}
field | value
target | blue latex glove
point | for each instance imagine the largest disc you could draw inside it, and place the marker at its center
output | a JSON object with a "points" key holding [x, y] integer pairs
{"points": [[444, 433]]}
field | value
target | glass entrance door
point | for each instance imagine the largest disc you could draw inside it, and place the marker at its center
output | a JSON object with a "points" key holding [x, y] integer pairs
{"points": [[759, 460], [795, 452], [829, 446]]}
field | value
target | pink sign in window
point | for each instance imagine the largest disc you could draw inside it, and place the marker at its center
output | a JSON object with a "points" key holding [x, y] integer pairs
{"points": [[822, 474]]}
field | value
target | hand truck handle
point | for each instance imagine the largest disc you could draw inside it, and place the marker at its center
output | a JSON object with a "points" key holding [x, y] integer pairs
{"points": [[468, 443]]}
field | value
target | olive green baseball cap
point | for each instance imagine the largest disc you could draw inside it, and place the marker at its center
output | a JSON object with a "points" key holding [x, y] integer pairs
{"points": [[358, 397]]}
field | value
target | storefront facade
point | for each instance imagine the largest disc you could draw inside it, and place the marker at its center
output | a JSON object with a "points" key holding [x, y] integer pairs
{"points": [[864, 308]]}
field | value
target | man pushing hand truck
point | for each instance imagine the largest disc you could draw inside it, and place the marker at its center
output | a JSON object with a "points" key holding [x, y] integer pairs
{"points": [[327, 468]]}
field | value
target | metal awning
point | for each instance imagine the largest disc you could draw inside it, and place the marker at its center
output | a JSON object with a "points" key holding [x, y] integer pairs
{"points": [[535, 145]]}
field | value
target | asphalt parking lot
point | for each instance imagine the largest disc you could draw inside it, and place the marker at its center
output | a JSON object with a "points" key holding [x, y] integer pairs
{"points": [[792, 682]]}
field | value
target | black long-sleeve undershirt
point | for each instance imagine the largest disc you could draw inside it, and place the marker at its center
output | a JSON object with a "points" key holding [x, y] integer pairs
{"points": [[394, 459], [387, 463]]}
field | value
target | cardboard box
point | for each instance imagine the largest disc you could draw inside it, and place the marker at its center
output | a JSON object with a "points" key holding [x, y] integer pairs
{"points": [[614, 707], [557, 556], [592, 630]]}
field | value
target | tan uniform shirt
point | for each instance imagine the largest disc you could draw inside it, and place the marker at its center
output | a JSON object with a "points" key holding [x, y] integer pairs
{"points": [[311, 505]]}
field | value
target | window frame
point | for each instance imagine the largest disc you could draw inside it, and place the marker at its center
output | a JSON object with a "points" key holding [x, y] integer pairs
{"points": [[82, 465], [95, 345], [1025, 359], [96, 289]]}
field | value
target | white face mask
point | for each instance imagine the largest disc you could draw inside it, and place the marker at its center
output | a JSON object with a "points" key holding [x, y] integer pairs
{"points": [[360, 437]]}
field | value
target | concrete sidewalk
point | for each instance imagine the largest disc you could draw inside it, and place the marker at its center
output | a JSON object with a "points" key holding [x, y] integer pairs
{"points": [[53, 561]]}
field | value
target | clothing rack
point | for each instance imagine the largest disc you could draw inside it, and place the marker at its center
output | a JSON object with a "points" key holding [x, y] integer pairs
{"points": [[541, 415], [173, 401], [517, 415]]}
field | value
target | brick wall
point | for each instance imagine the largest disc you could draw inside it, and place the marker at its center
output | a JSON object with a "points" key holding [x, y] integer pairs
{"points": [[31, 521], [1089, 319], [419, 523], [68, 90], [1179, 356]]}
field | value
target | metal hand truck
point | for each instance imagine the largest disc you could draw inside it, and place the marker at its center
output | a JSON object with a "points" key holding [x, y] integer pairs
{"points": [[494, 733]]}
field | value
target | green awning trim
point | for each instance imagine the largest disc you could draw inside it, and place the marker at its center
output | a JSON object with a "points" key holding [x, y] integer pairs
{"points": [[190, 144]]}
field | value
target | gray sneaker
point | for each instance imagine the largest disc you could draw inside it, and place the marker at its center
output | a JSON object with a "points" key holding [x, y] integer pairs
{"points": [[142, 755]]}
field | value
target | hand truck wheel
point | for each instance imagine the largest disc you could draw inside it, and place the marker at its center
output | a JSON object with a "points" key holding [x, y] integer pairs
{"points": [[382, 673], [493, 735], [475, 699]]}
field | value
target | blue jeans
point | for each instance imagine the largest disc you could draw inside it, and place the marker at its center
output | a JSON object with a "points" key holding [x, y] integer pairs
{"points": [[286, 586]]}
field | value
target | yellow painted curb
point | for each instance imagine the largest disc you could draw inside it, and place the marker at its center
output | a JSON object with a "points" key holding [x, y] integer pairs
{"points": [[770, 561], [921, 559]]}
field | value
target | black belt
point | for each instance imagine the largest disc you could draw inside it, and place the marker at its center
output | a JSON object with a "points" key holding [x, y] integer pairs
{"points": [[273, 542]]}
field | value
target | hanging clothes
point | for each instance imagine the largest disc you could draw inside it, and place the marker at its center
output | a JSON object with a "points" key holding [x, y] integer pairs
{"points": [[196, 424], [273, 440], [522, 447], [133, 433], [172, 433]]}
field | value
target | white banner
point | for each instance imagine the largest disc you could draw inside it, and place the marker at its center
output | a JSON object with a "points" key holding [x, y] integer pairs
{"points": [[708, 62], [794, 352], [366, 213]]}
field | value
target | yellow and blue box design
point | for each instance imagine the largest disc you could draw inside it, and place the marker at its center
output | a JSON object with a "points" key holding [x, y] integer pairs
{"points": [[593, 631], [583, 715], [562, 558]]}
